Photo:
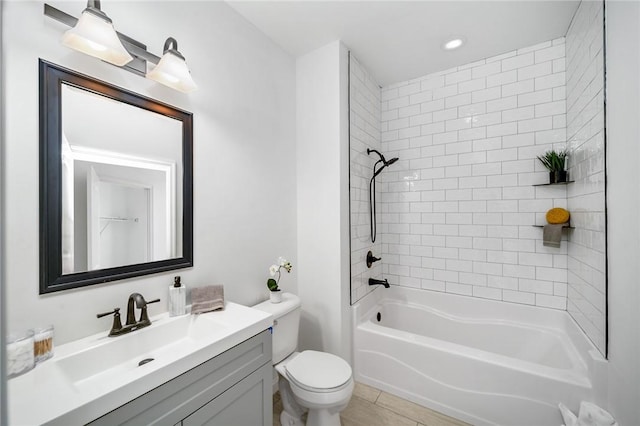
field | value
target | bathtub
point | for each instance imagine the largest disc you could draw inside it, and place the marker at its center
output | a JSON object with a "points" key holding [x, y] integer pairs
{"points": [[481, 361]]}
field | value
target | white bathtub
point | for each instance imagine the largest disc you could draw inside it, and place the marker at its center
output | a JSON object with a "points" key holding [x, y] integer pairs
{"points": [[481, 361]]}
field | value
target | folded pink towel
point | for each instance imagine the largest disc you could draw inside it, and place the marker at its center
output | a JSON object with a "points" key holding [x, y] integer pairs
{"points": [[207, 299]]}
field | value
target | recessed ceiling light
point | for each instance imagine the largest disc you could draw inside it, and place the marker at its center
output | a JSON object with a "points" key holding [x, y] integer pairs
{"points": [[453, 43]]}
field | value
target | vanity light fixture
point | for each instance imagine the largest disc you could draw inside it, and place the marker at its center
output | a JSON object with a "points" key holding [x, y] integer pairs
{"points": [[172, 70], [453, 43], [94, 35]]}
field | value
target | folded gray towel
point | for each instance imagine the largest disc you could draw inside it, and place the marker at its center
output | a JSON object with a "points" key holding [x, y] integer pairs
{"points": [[552, 235], [207, 299]]}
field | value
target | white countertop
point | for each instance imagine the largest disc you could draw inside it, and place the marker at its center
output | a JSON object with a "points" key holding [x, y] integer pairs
{"points": [[72, 388]]}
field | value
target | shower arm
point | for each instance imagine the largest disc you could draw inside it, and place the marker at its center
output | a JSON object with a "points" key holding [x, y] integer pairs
{"points": [[369, 151]]}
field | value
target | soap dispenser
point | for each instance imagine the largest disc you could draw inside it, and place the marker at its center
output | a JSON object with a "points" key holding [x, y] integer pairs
{"points": [[177, 298]]}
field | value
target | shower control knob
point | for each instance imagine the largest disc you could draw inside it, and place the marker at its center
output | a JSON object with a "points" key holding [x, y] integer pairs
{"points": [[371, 259]]}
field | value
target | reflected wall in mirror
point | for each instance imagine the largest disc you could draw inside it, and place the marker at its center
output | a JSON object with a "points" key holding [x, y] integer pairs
{"points": [[116, 182]]}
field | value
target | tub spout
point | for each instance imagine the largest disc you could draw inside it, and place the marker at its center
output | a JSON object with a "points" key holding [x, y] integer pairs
{"points": [[373, 281]]}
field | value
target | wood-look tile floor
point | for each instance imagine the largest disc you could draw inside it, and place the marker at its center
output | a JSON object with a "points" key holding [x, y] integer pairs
{"points": [[372, 407]]}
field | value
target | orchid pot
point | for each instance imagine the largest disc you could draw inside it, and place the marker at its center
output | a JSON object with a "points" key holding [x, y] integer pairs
{"points": [[275, 295]]}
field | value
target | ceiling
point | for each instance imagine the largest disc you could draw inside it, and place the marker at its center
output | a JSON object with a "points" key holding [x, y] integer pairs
{"points": [[400, 40]]}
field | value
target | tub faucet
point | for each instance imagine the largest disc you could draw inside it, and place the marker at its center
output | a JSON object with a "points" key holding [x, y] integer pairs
{"points": [[371, 259], [373, 281]]}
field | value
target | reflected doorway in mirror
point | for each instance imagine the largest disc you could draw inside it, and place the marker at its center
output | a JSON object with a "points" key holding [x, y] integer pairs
{"points": [[118, 209]]}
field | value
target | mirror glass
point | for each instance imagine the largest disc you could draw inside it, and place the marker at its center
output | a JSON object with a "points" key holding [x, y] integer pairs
{"points": [[121, 185], [116, 182]]}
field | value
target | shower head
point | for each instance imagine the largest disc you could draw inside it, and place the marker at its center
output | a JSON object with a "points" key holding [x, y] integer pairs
{"points": [[385, 164], [390, 162], [382, 159]]}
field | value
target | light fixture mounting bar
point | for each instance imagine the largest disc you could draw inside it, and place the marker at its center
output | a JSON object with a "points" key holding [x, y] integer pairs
{"points": [[136, 49]]}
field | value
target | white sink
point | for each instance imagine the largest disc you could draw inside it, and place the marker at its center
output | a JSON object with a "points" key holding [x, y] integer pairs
{"points": [[113, 356], [88, 378]]}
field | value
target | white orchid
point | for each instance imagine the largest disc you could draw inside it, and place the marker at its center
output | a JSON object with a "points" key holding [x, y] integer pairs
{"points": [[272, 284], [273, 269]]}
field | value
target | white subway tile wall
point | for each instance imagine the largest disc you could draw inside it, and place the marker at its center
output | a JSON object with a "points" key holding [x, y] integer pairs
{"points": [[586, 200], [457, 209], [365, 119]]}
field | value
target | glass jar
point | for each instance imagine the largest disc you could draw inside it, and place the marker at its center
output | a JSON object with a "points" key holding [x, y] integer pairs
{"points": [[43, 343], [20, 357]]}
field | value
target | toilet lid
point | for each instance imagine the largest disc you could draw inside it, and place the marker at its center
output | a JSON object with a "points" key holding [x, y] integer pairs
{"points": [[318, 370]]}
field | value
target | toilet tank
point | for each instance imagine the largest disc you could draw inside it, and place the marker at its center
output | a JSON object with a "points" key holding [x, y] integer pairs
{"points": [[286, 319]]}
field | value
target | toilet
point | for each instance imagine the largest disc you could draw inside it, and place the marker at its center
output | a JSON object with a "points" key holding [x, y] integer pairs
{"points": [[318, 382]]}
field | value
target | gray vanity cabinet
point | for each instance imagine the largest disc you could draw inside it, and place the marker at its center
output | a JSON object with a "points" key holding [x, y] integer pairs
{"points": [[236, 406], [234, 388]]}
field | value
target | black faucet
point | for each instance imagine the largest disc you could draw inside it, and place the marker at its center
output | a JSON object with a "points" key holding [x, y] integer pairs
{"points": [[371, 259], [140, 304], [117, 329], [373, 281]]}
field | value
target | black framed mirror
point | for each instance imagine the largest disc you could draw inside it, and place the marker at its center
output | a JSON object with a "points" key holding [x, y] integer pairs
{"points": [[116, 182]]}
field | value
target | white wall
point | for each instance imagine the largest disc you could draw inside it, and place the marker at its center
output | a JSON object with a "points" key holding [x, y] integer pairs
{"points": [[623, 204], [3, 315], [323, 201], [458, 209], [244, 154], [364, 105], [585, 197]]}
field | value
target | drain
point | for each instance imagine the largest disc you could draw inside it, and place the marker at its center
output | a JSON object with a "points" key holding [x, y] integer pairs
{"points": [[144, 361], [379, 317]]}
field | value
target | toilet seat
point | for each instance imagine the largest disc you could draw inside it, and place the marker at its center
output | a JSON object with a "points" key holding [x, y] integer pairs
{"points": [[319, 372]]}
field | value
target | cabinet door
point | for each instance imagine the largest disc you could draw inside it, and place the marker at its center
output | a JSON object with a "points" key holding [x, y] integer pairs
{"points": [[248, 403]]}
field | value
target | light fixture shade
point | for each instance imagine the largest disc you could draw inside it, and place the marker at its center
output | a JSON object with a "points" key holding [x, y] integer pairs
{"points": [[94, 35], [172, 71]]}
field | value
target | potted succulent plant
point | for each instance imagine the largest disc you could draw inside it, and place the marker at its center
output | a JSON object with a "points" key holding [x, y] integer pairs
{"points": [[554, 161], [272, 283]]}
